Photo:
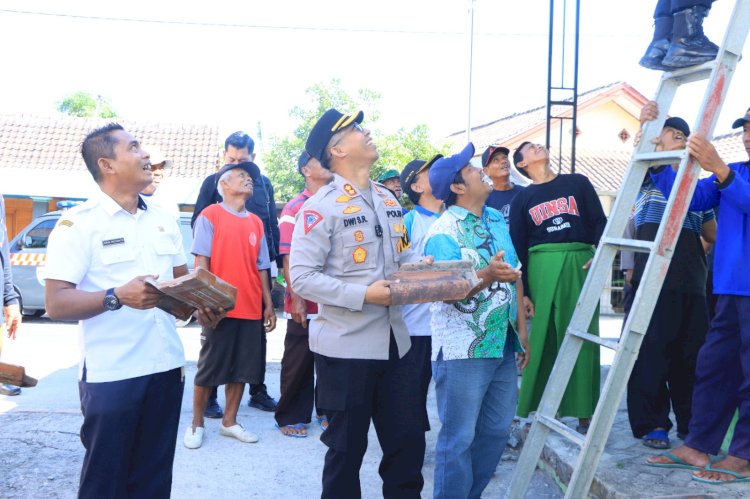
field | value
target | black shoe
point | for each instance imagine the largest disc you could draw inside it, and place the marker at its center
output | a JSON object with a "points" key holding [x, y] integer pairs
{"points": [[689, 45], [9, 390], [213, 410], [659, 45], [262, 401]]}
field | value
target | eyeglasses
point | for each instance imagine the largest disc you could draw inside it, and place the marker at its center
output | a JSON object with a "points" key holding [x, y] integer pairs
{"points": [[354, 127]]}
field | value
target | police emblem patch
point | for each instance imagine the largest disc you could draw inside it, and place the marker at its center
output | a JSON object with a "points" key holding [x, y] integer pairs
{"points": [[343, 199], [350, 190], [359, 255], [359, 236], [311, 218], [390, 202], [351, 209]]}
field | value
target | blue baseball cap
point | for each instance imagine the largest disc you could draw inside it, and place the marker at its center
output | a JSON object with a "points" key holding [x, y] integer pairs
{"points": [[678, 124], [444, 170]]}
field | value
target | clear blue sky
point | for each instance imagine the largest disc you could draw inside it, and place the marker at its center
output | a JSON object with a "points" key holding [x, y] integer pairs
{"points": [[239, 63]]}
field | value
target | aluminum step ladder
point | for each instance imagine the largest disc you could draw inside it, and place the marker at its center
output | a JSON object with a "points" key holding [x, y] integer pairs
{"points": [[719, 73]]}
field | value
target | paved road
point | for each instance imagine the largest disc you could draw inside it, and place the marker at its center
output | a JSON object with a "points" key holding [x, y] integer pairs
{"points": [[41, 454]]}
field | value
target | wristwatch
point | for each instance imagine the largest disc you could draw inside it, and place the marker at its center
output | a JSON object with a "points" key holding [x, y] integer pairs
{"points": [[111, 301]]}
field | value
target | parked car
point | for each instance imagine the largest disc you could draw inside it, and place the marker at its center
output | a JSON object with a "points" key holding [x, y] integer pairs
{"points": [[28, 253]]}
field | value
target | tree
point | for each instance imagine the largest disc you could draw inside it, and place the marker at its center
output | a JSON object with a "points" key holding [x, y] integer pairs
{"points": [[84, 105], [395, 150]]}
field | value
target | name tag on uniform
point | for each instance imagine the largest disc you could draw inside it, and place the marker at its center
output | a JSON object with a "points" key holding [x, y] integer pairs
{"points": [[113, 242]]}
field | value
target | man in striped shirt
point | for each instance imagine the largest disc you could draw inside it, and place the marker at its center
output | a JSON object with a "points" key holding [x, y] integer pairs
{"points": [[664, 373], [297, 365]]}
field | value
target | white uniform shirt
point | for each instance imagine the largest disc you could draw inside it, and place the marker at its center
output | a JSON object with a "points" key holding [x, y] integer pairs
{"points": [[98, 245]]}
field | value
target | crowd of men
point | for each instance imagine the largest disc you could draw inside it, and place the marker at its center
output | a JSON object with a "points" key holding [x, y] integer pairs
{"points": [[350, 354]]}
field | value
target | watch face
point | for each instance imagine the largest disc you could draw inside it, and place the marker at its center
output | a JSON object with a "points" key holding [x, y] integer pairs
{"points": [[111, 302]]}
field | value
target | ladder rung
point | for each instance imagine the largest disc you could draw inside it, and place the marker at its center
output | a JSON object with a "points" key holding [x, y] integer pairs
{"points": [[562, 429], [661, 157], [629, 244], [692, 73], [611, 344]]}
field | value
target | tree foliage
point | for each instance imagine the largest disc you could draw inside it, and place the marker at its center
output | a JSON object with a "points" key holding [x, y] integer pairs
{"points": [[84, 105], [395, 149]]}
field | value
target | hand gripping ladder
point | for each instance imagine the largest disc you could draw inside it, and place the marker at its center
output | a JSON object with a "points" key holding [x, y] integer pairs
{"points": [[719, 73]]}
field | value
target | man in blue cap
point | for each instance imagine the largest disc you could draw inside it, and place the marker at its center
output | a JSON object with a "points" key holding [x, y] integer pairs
{"points": [[347, 241], [722, 383], [664, 373], [474, 341], [496, 165]]}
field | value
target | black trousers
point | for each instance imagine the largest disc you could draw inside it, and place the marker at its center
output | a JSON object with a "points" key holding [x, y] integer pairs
{"points": [[253, 388], [297, 377], [422, 348], [354, 391], [129, 431], [664, 372]]}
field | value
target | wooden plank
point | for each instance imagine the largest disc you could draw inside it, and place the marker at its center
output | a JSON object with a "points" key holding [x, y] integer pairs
{"points": [[15, 375]]}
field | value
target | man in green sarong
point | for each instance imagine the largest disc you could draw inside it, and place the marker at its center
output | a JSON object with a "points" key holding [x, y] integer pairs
{"points": [[555, 224]]}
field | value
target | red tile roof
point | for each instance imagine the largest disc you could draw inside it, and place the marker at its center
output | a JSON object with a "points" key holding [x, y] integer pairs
{"points": [[606, 169], [53, 143], [510, 130]]}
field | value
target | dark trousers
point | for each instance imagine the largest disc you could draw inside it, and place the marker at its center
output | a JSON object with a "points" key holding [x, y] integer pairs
{"points": [[422, 348], [297, 377], [354, 391], [129, 432], [254, 389], [710, 296], [722, 381], [665, 8], [664, 372], [260, 387]]}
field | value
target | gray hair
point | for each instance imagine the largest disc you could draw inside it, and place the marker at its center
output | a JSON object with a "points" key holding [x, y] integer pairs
{"points": [[224, 178]]}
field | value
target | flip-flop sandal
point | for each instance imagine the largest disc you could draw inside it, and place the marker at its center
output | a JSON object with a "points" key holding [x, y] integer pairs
{"points": [[657, 439], [676, 463], [322, 419], [297, 426], [738, 478]]}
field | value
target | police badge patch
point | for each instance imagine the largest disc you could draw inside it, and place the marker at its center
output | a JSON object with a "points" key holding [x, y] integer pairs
{"points": [[311, 218], [359, 255]]}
